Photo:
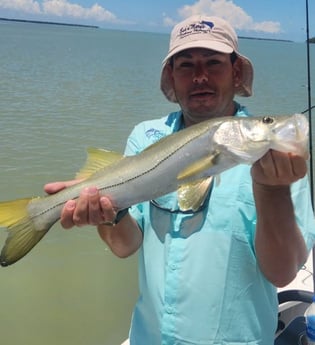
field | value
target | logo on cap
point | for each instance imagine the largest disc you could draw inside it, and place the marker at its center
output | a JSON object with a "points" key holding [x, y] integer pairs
{"points": [[202, 27]]}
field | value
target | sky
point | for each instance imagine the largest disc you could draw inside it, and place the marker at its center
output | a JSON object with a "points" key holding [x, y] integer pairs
{"points": [[279, 19]]}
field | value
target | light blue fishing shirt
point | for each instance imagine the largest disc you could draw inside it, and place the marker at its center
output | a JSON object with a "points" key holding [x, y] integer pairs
{"points": [[199, 278]]}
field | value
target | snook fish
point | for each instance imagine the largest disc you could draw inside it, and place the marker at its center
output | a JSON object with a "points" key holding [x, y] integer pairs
{"points": [[185, 161]]}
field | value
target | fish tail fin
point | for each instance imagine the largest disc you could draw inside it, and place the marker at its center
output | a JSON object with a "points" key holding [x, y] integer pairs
{"points": [[22, 236]]}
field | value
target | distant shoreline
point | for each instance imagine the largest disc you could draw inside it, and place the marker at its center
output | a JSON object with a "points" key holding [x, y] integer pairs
{"points": [[47, 22], [264, 39], [312, 40]]}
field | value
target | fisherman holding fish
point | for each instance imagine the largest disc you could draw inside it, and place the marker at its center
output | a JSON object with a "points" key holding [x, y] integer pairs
{"points": [[207, 274]]}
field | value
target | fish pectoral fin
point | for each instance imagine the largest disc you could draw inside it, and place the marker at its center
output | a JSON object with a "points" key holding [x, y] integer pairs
{"points": [[199, 166], [191, 196], [97, 159], [22, 235]]}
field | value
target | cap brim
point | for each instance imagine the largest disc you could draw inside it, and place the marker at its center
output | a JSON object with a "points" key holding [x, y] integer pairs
{"points": [[212, 45], [245, 88]]}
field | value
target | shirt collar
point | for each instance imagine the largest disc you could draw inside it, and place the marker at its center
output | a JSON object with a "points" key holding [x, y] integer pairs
{"points": [[175, 120]]}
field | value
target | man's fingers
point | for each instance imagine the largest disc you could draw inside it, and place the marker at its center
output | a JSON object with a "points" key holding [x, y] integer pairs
{"points": [[299, 166], [267, 165], [90, 208], [55, 187], [66, 218], [109, 214], [81, 213], [94, 215], [277, 168]]}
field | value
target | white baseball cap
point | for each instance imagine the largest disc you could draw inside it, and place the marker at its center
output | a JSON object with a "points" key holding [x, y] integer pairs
{"points": [[211, 33]]}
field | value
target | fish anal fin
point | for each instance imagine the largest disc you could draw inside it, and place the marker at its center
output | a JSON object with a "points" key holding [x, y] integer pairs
{"points": [[191, 196], [97, 159], [199, 166]]}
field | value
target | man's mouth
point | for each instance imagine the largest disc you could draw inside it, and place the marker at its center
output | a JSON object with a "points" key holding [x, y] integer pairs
{"points": [[202, 93]]}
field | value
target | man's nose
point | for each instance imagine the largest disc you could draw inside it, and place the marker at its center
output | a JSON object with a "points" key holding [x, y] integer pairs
{"points": [[200, 74]]}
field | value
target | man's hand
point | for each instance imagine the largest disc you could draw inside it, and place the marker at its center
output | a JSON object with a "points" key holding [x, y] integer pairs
{"points": [[93, 209], [89, 209], [279, 244], [277, 168]]}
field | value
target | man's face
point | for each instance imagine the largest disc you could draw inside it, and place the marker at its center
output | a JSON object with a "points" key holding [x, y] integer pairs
{"points": [[204, 82]]}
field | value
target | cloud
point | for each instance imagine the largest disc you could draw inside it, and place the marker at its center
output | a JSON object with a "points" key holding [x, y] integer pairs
{"points": [[267, 26], [27, 6], [234, 14], [60, 8], [63, 8], [168, 21]]}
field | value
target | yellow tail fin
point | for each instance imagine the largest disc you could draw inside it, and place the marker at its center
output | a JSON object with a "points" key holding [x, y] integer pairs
{"points": [[22, 234]]}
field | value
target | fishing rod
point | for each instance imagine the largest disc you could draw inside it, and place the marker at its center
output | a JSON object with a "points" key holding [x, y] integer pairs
{"points": [[310, 119], [309, 110]]}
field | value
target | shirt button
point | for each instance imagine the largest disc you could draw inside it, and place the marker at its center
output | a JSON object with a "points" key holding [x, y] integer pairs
{"points": [[169, 309], [173, 267]]}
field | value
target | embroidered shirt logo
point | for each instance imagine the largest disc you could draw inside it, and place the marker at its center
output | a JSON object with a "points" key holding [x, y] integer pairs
{"points": [[154, 134], [202, 27]]}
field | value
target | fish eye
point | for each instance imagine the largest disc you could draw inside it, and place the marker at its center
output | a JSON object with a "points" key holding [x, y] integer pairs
{"points": [[267, 120]]}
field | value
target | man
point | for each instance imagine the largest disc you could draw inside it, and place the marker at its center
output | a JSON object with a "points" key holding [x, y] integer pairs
{"points": [[207, 277]]}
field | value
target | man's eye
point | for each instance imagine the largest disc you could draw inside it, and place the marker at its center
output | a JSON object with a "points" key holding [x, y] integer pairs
{"points": [[213, 62], [185, 64]]}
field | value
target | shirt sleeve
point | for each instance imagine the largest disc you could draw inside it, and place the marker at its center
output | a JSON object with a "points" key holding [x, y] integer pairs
{"points": [[301, 197], [133, 146]]}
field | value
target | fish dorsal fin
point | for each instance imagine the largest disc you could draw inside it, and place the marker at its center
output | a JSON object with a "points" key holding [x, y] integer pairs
{"points": [[97, 159], [199, 166], [191, 196]]}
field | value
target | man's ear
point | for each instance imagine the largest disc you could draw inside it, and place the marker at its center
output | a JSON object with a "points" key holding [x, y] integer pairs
{"points": [[169, 71], [237, 73]]}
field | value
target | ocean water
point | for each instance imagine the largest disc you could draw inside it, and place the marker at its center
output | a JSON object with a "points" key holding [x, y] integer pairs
{"points": [[63, 89]]}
